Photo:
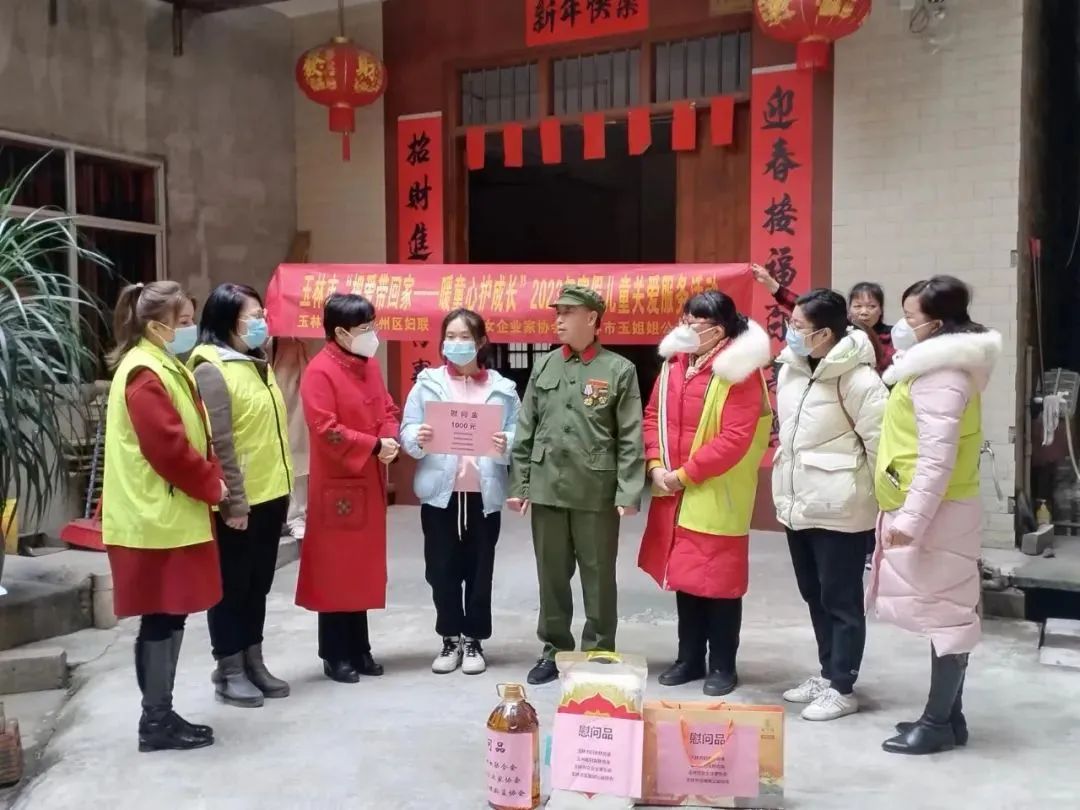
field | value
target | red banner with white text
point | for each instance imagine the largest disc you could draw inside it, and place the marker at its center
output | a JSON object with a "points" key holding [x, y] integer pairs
{"points": [[551, 21], [643, 301], [781, 192]]}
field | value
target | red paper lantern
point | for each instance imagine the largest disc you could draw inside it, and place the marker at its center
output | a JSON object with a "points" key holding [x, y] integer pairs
{"points": [[342, 77], [813, 25]]}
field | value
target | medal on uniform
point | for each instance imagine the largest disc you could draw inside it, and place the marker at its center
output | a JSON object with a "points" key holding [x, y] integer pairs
{"points": [[596, 392]]}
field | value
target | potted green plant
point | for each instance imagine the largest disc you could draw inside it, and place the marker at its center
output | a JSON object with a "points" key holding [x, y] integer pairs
{"points": [[44, 357]]}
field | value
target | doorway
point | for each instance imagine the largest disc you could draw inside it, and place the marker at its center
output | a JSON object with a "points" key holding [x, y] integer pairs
{"points": [[617, 210]]}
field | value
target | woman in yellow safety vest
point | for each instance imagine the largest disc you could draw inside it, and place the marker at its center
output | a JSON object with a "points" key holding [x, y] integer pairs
{"points": [[925, 573], [250, 436], [161, 479]]}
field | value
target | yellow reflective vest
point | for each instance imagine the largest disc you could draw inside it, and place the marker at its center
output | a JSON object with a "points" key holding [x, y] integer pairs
{"points": [[724, 504], [259, 424], [139, 508], [898, 451]]}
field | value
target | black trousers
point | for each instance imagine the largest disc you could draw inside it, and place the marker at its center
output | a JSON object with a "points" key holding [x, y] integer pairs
{"points": [[159, 626], [248, 562], [715, 623], [459, 550], [343, 636], [829, 570]]}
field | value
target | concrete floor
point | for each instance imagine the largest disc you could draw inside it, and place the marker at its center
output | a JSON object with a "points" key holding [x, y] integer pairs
{"points": [[415, 740]]}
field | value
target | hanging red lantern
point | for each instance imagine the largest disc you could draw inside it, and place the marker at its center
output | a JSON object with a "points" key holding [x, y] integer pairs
{"points": [[343, 77], [813, 25]]}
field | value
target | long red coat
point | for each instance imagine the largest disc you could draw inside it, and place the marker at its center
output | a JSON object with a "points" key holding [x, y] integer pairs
{"points": [[343, 555], [680, 559]]}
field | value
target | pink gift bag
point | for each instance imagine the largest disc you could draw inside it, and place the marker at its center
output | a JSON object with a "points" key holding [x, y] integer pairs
{"points": [[713, 755]]}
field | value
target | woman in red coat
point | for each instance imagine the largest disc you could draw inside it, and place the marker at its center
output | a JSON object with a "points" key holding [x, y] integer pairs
{"points": [[706, 429], [352, 423]]}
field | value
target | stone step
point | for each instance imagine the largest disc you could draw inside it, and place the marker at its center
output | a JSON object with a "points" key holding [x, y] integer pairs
{"points": [[33, 670]]}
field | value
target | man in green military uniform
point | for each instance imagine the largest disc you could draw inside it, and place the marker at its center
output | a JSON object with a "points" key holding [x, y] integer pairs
{"points": [[578, 462]]}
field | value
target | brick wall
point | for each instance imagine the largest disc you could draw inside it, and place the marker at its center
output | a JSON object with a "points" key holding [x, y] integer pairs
{"points": [[926, 168], [342, 204]]}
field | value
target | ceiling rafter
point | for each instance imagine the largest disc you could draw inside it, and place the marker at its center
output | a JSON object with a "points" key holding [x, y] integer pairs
{"points": [[202, 7]]}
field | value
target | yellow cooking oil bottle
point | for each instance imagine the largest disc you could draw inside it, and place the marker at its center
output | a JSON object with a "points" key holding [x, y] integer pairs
{"points": [[513, 752]]}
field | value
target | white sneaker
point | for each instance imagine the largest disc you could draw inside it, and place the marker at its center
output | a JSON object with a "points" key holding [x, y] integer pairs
{"points": [[297, 529], [450, 657], [830, 705], [473, 663], [808, 691]]}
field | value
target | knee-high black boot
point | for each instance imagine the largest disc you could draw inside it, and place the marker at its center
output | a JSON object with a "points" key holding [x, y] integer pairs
{"points": [[956, 717], [934, 731], [177, 638], [159, 727]]}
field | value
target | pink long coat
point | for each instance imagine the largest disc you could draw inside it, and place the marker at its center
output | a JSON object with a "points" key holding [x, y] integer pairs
{"points": [[343, 557], [932, 586]]}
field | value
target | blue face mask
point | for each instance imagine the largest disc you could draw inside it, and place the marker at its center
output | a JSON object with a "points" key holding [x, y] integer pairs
{"points": [[796, 341], [459, 352], [184, 340], [257, 333]]}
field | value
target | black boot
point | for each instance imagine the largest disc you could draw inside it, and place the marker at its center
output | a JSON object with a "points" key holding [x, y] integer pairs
{"points": [[724, 629], [366, 665], [720, 682], [956, 719], [232, 685], [177, 639], [682, 672], [689, 665], [259, 675], [341, 671], [934, 731], [159, 729]]}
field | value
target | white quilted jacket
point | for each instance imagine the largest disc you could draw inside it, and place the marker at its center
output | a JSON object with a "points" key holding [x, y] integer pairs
{"points": [[823, 472]]}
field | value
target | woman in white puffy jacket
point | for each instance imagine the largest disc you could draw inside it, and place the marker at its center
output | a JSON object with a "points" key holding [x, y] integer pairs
{"points": [[830, 403]]}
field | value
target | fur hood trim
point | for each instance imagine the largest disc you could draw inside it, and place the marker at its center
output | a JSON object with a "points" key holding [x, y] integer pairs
{"points": [[973, 352], [749, 352]]}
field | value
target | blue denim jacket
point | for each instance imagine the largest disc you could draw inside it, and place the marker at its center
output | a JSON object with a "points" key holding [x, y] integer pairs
{"points": [[435, 473]]}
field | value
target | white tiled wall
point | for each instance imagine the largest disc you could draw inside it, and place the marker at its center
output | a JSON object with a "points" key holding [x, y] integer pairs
{"points": [[926, 168]]}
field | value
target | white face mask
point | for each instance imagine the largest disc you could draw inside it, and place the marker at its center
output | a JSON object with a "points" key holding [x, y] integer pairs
{"points": [[365, 344], [904, 336], [684, 339]]}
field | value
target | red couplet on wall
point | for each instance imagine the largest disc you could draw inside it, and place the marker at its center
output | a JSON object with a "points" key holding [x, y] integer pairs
{"points": [[550, 21], [420, 225], [781, 186]]}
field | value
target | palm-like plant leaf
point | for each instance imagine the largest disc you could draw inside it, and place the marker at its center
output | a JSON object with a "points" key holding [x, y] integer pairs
{"points": [[44, 358]]}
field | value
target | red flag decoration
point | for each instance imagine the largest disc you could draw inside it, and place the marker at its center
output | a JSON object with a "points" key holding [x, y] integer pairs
{"points": [[551, 21], [595, 140], [551, 141], [475, 148], [684, 127], [639, 125], [513, 151], [722, 120]]}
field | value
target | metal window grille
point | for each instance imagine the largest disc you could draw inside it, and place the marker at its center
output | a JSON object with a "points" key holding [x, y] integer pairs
{"points": [[703, 67], [600, 81], [493, 95]]}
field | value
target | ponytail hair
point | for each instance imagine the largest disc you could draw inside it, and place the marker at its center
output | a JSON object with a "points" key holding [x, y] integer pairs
{"points": [[137, 306], [827, 309]]}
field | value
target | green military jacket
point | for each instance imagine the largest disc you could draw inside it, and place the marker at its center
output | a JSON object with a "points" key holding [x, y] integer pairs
{"points": [[578, 443]]}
